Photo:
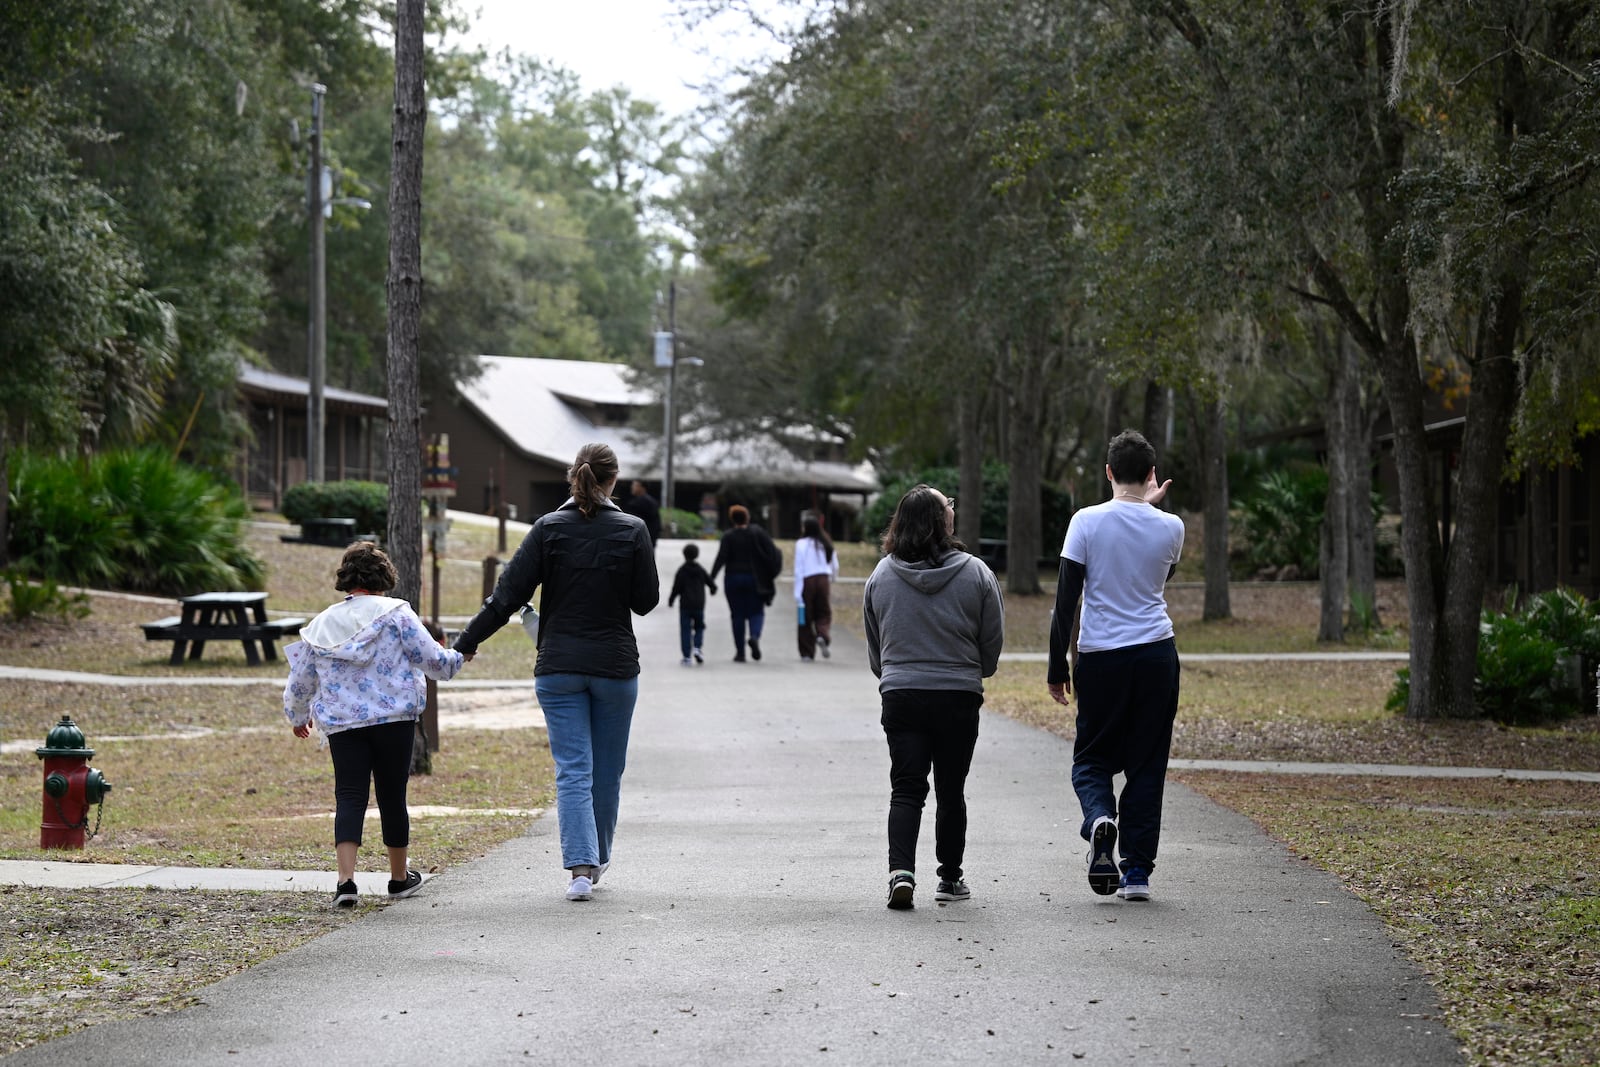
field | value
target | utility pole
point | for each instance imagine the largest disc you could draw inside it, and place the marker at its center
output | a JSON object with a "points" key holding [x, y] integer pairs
{"points": [[672, 383], [317, 354]]}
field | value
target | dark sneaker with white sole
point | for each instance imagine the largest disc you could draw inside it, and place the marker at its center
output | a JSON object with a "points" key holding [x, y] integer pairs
{"points": [[1104, 877], [345, 895], [412, 883], [948, 890], [902, 884], [755, 648], [1135, 884]]}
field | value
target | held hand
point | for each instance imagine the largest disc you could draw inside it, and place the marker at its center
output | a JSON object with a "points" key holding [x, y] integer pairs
{"points": [[303, 730], [468, 657], [1059, 692]]}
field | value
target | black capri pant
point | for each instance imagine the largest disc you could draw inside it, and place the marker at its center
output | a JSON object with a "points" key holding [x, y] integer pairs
{"points": [[379, 755]]}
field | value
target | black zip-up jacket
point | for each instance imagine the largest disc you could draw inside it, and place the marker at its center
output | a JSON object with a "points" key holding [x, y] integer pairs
{"points": [[690, 585], [594, 573]]}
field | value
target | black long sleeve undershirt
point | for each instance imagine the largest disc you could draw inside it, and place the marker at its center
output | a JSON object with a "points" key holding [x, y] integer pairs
{"points": [[1069, 589]]}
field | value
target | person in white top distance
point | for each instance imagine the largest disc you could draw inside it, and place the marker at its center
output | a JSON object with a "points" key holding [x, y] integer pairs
{"points": [[816, 565], [1121, 657]]}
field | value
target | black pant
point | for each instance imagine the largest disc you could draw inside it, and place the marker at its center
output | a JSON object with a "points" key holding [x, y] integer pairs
{"points": [[1127, 701], [937, 729], [380, 755]]}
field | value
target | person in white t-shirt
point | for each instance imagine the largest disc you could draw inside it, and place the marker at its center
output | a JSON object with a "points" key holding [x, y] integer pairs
{"points": [[816, 565], [1121, 655]]}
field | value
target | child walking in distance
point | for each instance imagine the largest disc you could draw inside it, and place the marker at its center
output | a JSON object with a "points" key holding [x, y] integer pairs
{"points": [[935, 623], [357, 671], [816, 565], [689, 587], [1121, 656]]}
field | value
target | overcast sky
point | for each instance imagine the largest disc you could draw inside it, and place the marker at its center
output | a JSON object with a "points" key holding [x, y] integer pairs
{"points": [[636, 43]]}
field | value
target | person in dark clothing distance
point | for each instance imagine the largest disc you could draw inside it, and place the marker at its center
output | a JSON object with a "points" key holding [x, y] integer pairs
{"points": [[1121, 657], [935, 625], [689, 588], [641, 504], [753, 563], [596, 566]]}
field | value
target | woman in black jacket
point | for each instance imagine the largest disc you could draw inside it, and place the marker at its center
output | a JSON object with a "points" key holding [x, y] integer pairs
{"points": [[596, 566], [752, 562]]}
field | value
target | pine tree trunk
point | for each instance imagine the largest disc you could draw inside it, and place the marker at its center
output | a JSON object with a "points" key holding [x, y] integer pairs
{"points": [[1363, 524], [405, 318], [1214, 464], [969, 494], [1023, 539], [1335, 547]]}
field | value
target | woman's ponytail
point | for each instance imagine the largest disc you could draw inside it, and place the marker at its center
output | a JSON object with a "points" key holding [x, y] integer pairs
{"points": [[593, 470]]}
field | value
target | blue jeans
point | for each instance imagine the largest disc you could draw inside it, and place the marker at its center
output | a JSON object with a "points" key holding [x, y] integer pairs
{"points": [[691, 630], [588, 719], [745, 605], [1127, 701]]}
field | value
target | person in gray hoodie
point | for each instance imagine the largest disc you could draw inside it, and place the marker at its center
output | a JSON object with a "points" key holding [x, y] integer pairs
{"points": [[935, 624]]}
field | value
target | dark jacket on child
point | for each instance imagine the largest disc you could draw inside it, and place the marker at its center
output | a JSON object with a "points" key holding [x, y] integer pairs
{"points": [[691, 583]]}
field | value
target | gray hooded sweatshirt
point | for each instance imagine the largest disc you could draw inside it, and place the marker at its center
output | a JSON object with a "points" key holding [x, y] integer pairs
{"points": [[933, 626]]}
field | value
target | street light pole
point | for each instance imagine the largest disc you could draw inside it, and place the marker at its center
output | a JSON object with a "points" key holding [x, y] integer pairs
{"points": [[672, 383], [316, 356]]}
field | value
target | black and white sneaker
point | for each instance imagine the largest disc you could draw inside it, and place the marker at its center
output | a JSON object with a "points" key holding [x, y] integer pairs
{"points": [[1104, 877], [412, 883], [948, 890], [345, 895], [699, 657], [822, 646], [902, 884]]}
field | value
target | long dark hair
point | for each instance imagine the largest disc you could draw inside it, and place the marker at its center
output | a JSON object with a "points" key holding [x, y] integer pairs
{"points": [[593, 470], [813, 529], [920, 530]]}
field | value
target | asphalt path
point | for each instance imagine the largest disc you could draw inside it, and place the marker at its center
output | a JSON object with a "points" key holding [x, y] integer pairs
{"points": [[743, 920]]}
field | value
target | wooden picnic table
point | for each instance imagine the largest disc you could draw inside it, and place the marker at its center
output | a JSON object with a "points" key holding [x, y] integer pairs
{"points": [[206, 617]]}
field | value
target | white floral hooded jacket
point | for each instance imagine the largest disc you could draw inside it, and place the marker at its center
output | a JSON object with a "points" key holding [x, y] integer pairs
{"points": [[361, 663]]}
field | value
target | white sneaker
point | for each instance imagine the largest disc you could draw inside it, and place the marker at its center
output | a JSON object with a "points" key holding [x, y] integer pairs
{"points": [[580, 888], [822, 646], [594, 876], [685, 662]]}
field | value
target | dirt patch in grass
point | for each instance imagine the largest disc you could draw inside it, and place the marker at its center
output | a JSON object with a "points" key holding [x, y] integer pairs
{"points": [[74, 958], [1492, 887]]}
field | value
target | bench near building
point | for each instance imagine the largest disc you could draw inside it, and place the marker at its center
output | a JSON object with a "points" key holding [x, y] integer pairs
{"points": [[208, 617]]}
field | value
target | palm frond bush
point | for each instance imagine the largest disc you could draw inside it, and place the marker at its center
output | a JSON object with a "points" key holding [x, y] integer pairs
{"points": [[135, 520]]}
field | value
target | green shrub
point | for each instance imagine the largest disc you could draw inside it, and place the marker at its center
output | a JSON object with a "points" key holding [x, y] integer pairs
{"points": [[365, 502], [1280, 523], [135, 520], [1055, 505], [675, 522], [1534, 666], [30, 600]]}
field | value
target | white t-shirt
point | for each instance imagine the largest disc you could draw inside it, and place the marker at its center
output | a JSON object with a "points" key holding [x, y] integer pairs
{"points": [[1126, 547]]}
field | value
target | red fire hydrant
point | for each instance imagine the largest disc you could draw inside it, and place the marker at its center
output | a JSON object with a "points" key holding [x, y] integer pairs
{"points": [[70, 786]]}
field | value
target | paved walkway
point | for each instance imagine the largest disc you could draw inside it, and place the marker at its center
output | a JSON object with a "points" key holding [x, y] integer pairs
{"points": [[743, 922]]}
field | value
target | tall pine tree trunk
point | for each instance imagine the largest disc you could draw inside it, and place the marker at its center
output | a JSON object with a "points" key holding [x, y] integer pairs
{"points": [[1363, 524], [969, 499], [1213, 441], [405, 318], [1024, 426], [1335, 546]]}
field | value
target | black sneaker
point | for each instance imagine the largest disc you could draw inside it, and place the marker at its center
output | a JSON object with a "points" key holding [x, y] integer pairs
{"points": [[345, 895], [755, 649], [948, 890], [412, 883], [901, 885], [1104, 877]]}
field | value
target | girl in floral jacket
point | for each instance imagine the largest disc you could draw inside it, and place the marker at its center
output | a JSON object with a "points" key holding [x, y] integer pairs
{"points": [[358, 672]]}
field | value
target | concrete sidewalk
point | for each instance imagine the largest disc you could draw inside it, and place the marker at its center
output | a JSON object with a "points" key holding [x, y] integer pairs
{"points": [[743, 921]]}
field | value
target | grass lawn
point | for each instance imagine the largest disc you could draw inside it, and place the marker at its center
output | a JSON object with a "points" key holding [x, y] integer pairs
{"points": [[1492, 886]]}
